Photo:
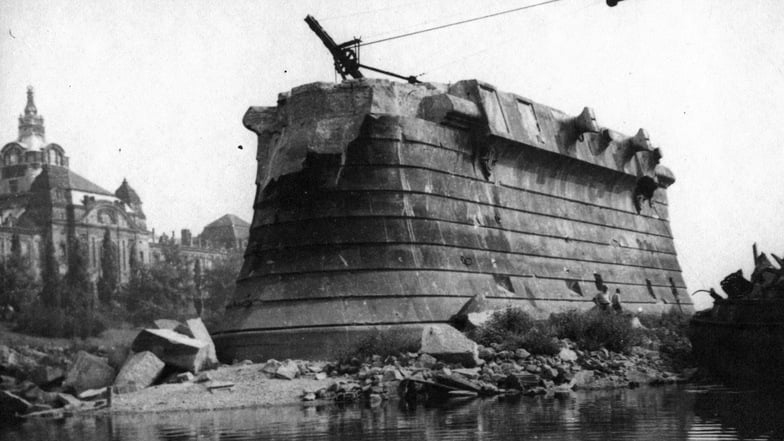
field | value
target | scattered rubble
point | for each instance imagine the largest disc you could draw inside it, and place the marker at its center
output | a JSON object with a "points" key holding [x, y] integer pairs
{"points": [[448, 366], [53, 383]]}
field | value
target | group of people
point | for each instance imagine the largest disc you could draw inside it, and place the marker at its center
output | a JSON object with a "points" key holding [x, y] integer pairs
{"points": [[7, 312], [603, 300]]}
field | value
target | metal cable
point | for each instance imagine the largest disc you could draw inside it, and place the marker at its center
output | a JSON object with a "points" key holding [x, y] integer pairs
{"points": [[422, 31]]}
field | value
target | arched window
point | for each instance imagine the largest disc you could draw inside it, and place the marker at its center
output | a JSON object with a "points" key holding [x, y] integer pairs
{"points": [[12, 157], [55, 155]]}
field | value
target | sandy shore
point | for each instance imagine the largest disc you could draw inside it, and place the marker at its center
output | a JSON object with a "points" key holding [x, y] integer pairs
{"points": [[252, 388]]}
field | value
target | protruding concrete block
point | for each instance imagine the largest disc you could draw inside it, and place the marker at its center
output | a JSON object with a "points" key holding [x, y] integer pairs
{"points": [[449, 345], [173, 348], [199, 332], [174, 325]]}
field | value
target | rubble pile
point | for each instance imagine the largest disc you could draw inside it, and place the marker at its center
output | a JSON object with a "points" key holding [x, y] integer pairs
{"points": [[55, 383], [423, 377], [767, 281]]}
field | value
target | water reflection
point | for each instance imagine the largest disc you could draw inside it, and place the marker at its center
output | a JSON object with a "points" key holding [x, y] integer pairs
{"points": [[641, 414], [745, 414]]}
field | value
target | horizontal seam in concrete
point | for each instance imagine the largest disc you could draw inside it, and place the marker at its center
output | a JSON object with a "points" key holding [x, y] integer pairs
{"points": [[489, 227], [575, 299], [446, 270], [260, 206], [409, 140], [485, 181], [337, 325], [514, 253]]}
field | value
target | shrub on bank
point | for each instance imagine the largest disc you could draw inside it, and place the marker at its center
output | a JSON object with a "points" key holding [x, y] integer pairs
{"points": [[593, 329], [506, 326], [513, 328], [669, 330]]}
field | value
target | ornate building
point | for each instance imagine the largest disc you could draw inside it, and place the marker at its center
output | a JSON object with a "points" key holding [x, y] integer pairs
{"points": [[41, 198]]}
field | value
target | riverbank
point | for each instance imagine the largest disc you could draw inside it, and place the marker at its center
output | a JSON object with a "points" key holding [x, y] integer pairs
{"points": [[364, 376]]}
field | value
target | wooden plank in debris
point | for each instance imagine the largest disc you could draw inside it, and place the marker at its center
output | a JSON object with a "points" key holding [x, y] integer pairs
{"points": [[215, 385]]}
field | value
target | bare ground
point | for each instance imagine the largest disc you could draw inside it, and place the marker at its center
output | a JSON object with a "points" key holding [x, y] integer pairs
{"points": [[251, 388]]}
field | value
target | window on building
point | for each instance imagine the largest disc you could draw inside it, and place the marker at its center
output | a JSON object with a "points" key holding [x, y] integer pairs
{"points": [[13, 186], [12, 158]]}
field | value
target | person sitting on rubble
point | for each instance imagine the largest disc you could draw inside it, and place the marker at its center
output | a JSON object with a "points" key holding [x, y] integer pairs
{"points": [[602, 300], [7, 313], [616, 301]]}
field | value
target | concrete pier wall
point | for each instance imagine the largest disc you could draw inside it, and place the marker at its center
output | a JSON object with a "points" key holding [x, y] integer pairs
{"points": [[387, 206]]}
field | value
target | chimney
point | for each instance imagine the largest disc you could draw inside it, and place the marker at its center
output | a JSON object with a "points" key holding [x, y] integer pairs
{"points": [[186, 239]]}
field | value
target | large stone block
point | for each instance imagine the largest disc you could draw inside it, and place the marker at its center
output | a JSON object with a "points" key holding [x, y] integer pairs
{"points": [[449, 345], [43, 375], [174, 325], [173, 348], [88, 372], [199, 332], [140, 369]]}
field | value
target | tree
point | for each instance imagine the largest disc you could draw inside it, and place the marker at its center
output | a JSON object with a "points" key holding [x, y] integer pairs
{"points": [[219, 282], [51, 292], [133, 259], [77, 279], [198, 299], [18, 286], [160, 290], [79, 302], [110, 270]]}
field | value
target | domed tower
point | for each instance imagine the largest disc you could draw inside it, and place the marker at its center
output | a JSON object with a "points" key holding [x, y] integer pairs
{"points": [[31, 124], [129, 196]]}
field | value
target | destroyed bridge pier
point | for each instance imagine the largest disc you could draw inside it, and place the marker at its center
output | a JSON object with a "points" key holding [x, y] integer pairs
{"points": [[385, 206]]}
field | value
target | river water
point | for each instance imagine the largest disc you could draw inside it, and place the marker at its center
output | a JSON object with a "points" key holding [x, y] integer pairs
{"points": [[685, 412]]}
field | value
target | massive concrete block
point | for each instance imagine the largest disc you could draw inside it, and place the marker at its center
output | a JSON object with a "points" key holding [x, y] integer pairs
{"points": [[449, 345], [199, 332], [173, 348], [383, 206]]}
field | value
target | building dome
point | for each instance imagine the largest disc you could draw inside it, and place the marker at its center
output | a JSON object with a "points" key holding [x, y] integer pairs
{"points": [[127, 194]]}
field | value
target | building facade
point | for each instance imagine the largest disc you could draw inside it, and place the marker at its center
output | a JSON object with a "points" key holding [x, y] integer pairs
{"points": [[42, 199]]}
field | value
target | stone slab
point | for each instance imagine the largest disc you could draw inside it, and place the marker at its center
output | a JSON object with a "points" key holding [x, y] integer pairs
{"points": [[88, 372], [141, 369]]}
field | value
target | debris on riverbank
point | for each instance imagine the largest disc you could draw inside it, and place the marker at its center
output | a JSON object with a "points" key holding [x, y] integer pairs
{"points": [[167, 370]]}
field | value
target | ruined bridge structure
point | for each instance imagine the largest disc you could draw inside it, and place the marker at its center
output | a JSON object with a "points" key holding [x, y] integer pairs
{"points": [[387, 206]]}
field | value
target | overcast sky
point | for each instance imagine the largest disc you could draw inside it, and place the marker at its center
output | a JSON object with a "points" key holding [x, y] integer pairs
{"points": [[155, 91]]}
